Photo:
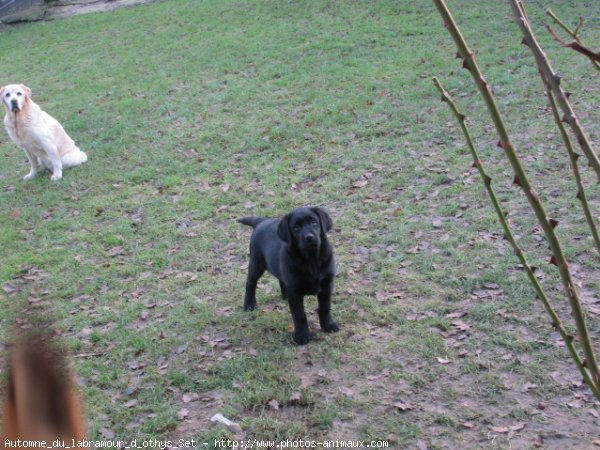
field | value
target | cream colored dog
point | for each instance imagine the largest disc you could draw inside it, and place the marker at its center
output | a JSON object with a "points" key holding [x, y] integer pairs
{"points": [[44, 140]]}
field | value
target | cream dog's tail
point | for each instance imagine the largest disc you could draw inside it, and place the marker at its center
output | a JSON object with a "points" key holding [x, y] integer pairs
{"points": [[73, 158]]}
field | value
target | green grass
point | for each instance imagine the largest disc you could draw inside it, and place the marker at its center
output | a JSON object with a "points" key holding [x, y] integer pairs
{"points": [[196, 113]]}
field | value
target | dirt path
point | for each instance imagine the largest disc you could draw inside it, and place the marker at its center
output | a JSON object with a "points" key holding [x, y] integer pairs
{"points": [[13, 11], [67, 8]]}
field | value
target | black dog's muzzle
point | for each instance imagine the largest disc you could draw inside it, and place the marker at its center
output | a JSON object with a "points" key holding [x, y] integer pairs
{"points": [[310, 241]]}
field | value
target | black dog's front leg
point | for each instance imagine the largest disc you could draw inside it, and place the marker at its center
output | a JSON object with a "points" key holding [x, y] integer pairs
{"points": [[301, 335], [328, 325]]}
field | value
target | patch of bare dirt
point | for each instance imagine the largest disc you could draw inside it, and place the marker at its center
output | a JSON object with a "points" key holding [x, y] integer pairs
{"points": [[68, 8], [497, 406], [196, 411]]}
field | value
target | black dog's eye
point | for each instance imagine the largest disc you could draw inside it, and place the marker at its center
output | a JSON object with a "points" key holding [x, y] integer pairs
{"points": [[296, 228]]}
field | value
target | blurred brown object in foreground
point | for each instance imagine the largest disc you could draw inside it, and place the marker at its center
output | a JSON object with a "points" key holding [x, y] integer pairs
{"points": [[40, 400]]}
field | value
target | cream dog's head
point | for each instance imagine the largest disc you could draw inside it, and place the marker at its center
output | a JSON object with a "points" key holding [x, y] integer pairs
{"points": [[15, 96]]}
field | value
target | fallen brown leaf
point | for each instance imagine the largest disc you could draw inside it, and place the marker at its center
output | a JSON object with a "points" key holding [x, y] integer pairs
{"points": [[107, 433], [180, 349], [346, 391], [305, 382], [9, 288], [84, 333], [404, 406], [183, 413], [190, 397], [130, 403], [114, 251], [460, 325], [528, 387], [518, 426]]}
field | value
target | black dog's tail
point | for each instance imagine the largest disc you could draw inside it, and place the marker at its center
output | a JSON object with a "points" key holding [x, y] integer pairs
{"points": [[252, 221]]}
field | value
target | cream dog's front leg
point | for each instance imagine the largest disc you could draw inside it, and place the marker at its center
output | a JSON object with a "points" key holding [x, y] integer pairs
{"points": [[34, 166]]}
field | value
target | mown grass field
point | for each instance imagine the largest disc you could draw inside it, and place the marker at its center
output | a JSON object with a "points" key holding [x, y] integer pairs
{"points": [[194, 113]]}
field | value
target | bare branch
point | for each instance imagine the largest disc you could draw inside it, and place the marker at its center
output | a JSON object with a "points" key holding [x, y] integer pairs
{"points": [[573, 157], [553, 79], [584, 51], [574, 35], [511, 239], [547, 225], [554, 34]]}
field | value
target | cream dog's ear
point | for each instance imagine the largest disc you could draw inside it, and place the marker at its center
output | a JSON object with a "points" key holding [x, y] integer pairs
{"points": [[27, 90], [2, 91]]}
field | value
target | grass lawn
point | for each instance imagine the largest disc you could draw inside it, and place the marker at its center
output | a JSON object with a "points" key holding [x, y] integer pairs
{"points": [[195, 113]]}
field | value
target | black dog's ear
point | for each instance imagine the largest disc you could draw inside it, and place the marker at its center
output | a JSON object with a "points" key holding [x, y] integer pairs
{"points": [[326, 222], [283, 230]]}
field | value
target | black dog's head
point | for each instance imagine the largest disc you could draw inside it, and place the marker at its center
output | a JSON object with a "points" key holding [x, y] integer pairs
{"points": [[305, 227]]}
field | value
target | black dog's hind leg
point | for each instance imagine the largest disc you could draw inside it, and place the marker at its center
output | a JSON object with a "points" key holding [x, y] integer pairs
{"points": [[301, 335], [284, 294], [255, 271], [328, 325]]}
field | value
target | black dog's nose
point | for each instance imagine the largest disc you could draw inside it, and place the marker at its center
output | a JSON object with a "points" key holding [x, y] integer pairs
{"points": [[310, 237]]}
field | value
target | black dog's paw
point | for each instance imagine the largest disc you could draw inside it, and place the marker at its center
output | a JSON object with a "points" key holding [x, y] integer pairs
{"points": [[330, 327], [301, 337], [249, 306]]}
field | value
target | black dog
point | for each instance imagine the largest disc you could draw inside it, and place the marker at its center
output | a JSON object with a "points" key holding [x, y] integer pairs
{"points": [[296, 251]]}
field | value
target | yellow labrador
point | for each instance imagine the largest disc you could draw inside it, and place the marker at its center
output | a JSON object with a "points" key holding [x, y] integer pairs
{"points": [[44, 140]]}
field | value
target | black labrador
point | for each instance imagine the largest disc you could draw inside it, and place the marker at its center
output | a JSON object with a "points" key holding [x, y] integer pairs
{"points": [[296, 251]]}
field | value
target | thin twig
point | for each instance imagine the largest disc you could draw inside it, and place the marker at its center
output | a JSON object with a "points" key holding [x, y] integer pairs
{"points": [[553, 79], [554, 34], [579, 25], [574, 157], [561, 24], [573, 34]]}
